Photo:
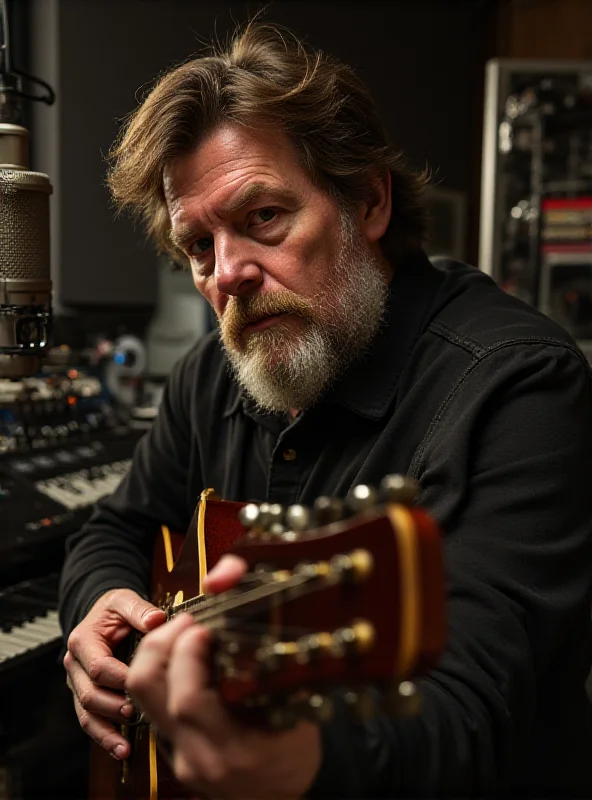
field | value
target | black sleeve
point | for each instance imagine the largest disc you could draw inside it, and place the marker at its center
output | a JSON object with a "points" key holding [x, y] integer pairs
{"points": [[114, 548], [507, 470]]}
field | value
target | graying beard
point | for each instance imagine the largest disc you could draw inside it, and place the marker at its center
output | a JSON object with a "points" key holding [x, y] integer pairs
{"points": [[325, 350]]}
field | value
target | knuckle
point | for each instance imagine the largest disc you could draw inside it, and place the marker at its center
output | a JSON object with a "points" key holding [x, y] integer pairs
{"points": [[85, 698], [74, 640], [107, 741], [85, 721], [137, 607], [95, 669]]}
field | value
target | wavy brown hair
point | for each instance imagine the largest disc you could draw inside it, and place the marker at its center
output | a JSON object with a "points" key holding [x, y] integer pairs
{"points": [[266, 78]]}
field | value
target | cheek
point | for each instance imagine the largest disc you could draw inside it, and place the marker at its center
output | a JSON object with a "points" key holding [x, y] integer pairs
{"points": [[316, 262], [206, 288], [303, 265]]}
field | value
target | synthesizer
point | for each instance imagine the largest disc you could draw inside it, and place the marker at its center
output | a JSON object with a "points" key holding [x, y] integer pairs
{"points": [[63, 446]]}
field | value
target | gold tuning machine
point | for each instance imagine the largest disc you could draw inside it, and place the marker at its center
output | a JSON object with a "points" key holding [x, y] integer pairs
{"points": [[355, 638], [355, 566], [314, 645], [313, 569], [271, 656]]}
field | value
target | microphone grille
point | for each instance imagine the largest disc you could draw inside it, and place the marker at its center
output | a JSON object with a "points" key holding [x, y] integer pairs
{"points": [[24, 225]]}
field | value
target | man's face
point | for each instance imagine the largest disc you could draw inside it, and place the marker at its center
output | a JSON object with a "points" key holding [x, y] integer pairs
{"points": [[291, 278]]}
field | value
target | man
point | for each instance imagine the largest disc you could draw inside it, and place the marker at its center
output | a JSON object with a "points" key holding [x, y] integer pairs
{"points": [[343, 355]]}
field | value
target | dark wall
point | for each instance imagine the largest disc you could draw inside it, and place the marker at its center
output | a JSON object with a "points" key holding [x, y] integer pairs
{"points": [[421, 58]]}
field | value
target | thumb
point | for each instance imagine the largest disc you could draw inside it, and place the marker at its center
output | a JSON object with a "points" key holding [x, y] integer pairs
{"points": [[141, 615]]}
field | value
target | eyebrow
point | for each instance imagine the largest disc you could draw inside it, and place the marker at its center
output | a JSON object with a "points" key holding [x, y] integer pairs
{"points": [[187, 233]]}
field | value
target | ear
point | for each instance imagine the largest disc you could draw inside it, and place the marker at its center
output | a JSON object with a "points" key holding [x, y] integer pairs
{"points": [[375, 212]]}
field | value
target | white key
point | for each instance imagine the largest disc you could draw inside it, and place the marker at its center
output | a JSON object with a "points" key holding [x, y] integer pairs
{"points": [[29, 636]]}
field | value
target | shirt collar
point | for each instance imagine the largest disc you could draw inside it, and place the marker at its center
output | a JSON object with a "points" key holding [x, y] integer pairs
{"points": [[368, 388]]}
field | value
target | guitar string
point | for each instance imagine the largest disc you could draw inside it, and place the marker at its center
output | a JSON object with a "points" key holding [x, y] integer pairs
{"points": [[210, 600], [217, 606]]}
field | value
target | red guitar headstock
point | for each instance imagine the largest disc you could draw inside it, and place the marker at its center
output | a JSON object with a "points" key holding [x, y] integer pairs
{"points": [[346, 593]]}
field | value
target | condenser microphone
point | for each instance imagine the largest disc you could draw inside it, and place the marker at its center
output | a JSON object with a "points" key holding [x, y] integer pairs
{"points": [[25, 285]]}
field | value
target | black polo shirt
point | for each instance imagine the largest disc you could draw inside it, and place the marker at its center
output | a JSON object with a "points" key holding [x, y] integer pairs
{"points": [[488, 404]]}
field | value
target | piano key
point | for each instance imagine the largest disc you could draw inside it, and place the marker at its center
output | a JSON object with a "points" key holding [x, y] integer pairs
{"points": [[29, 636]]}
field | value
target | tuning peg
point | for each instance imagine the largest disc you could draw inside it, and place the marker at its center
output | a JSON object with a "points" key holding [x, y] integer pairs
{"points": [[276, 514], [264, 515], [361, 498], [355, 566], [404, 700], [313, 645], [362, 703], [248, 516], [328, 510], [276, 529], [399, 489], [271, 656], [297, 518], [356, 638], [270, 514]]}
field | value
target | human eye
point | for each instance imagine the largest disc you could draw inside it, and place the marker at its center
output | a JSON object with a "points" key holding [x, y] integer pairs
{"points": [[263, 215], [199, 246]]}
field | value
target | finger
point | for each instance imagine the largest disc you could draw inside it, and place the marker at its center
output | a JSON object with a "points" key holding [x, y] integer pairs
{"points": [[102, 732], [191, 699], [139, 613], [97, 660], [227, 572], [146, 679], [122, 606], [95, 699], [109, 621]]}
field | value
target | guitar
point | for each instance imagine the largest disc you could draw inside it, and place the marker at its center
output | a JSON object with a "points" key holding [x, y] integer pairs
{"points": [[343, 594]]}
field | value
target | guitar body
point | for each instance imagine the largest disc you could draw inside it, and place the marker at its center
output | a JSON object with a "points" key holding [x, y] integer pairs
{"points": [[131, 780]]}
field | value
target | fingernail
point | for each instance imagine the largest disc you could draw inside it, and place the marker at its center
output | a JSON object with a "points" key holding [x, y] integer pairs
{"points": [[118, 751], [127, 710]]}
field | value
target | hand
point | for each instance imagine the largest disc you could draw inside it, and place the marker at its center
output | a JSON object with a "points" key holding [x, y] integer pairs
{"points": [[210, 751], [96, 678]]}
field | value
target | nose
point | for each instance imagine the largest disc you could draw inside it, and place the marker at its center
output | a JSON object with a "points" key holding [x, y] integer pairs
{"points": [[237, 272]]}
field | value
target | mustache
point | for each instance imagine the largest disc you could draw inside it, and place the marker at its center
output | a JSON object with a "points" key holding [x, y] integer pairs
{"points": [[242, 311]]}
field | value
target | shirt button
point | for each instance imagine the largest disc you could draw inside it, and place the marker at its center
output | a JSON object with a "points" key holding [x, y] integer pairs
{"points": [[289, 454]]}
